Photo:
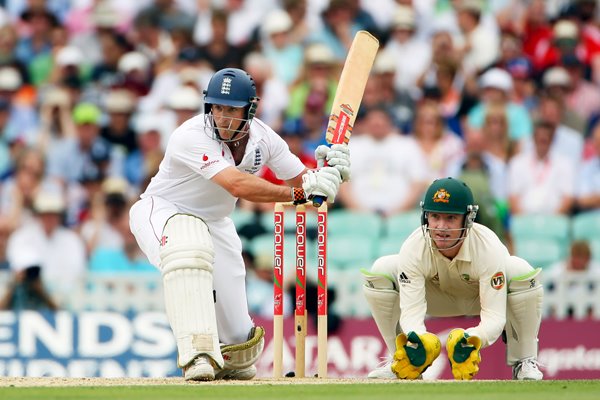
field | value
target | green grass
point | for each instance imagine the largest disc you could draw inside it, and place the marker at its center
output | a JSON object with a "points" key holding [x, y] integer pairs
{"points": [[501, 390]]}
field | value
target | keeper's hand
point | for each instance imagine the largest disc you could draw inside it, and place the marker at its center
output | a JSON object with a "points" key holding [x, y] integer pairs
{"points": [[464, 354], [414, 354], [323, 182], [337, 156]]}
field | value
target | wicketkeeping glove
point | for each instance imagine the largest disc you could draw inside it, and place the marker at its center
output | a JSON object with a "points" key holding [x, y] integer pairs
{"points": [[414, 354], [337, 156], [463, 353]]}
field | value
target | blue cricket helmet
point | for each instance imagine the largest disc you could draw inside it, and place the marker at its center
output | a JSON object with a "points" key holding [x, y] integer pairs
{"points": [[230, 87]]}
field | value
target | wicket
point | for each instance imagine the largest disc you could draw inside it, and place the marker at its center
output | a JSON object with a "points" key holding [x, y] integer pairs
{"points": [[300, 313]]}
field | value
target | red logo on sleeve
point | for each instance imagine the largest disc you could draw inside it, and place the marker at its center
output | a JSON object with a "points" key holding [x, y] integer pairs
{"points": [[204, 157], [497, 280]]}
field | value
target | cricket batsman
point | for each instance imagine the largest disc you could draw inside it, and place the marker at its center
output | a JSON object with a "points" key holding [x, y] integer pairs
{"points": [[182, 223], [453, 266]]}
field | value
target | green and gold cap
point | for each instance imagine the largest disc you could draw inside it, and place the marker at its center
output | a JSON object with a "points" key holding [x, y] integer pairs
{"points": [[448, 196]]}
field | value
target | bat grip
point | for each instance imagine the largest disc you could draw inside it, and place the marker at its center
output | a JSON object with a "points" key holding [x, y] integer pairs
{"points": [[317, 201]]}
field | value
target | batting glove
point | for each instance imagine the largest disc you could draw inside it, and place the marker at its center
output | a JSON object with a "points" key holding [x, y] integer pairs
{"points": [[337, 156], [323, 182]]}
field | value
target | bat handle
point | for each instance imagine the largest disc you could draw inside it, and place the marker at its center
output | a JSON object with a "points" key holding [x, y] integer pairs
{"points": [[317, 201]]}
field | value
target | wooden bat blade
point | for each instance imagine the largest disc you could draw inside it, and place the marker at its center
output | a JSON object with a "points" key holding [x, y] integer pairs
{"points": [[351, 87]]}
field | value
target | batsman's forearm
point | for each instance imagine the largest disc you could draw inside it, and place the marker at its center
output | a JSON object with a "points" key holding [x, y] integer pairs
{"points": [[258, 190]]}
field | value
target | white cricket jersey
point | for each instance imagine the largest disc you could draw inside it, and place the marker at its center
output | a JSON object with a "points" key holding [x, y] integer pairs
{"points": [[477, 273], [193, 157]]}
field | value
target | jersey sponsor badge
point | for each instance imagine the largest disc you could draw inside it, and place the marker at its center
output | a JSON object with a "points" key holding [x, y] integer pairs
{"points": [[498, 280]]}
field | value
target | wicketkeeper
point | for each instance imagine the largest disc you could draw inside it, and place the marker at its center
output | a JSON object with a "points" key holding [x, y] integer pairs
{"points": [[453, 266]]}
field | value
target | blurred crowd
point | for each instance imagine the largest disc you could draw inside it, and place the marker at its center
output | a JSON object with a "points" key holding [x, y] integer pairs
{"points": [[502, 93]]}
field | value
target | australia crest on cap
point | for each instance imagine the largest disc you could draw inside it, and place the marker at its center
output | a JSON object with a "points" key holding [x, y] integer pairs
{"points": [[441, 196]]}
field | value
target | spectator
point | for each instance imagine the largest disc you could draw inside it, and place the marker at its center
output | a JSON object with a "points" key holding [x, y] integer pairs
{"points": [[27, 292], [317, 84], [567, 39], [219, 52], [151, 39], [88, 26], [184, 103], [120, 106], [486, 176], [566, 141], [533, 174], [68, 160], [19, 191], [143, 163], [389, 170], [56, 122], [135, 73], [404, 45], [496, 88], [524, 86], [302, 21], [494, 133], [478, 46], [584, 96], [108, 207], [39, 22], [274, 97], [238, 20], [22, 122], [341, 20], [61, 251], [440, 147], [579, 261], [380, 91], [168, 15], [558, 84], [8, 57], [536, 31], [105, 72], [579, 264], [588, 179], [5, 158], [279, 48]]}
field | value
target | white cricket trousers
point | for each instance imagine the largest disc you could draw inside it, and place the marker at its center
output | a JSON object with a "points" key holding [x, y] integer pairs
{"points": [[147, 219]]}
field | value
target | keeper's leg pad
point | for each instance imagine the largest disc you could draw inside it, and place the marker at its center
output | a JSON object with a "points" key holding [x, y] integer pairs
{"points": [[381, 291], [243, 355], [524, 311], [187, 257]]}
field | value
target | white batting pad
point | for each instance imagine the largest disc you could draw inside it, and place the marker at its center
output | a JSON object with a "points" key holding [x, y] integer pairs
{"points": [[187, 256], [524, 316], [381, 292]]}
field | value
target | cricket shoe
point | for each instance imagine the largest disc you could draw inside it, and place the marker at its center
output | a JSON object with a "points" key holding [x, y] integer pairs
{"points": [[201, 369], [383, 370], [527, 370], [244, 374]]}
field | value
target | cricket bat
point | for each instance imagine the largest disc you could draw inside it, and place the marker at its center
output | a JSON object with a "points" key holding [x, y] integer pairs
{"points": [[350, 90]]}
